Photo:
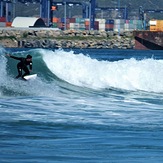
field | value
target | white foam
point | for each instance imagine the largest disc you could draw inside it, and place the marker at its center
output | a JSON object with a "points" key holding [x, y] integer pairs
{"points": [[81, 70]]}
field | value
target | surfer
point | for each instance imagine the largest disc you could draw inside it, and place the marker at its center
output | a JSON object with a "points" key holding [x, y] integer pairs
{"points": [[23, 65]]}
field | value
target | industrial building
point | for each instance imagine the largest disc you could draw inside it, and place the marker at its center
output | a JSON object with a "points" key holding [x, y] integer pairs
{"points": [[47, 10]]}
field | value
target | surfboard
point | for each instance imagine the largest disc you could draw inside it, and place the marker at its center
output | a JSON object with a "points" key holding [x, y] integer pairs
{"points": [[30, 77]]}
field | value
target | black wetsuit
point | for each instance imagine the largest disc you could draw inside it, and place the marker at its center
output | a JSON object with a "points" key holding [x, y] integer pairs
{"points": [[22, 65]]}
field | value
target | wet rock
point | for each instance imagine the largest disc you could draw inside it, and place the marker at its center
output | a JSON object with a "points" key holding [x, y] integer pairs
{"points": [[49, 38]]}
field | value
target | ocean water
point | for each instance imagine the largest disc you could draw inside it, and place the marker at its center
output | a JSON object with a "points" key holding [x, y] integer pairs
{"points": [[86, 105]]}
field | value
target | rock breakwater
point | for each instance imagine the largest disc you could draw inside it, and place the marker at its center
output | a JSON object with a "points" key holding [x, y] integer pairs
{"points": [[50, 38]]}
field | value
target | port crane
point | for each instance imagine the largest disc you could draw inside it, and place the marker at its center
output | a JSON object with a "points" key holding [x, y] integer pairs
{"points": [[123, 9], [89, 8], [6, 8]]}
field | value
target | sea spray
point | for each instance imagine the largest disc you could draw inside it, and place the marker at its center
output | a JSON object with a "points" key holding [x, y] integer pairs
{"points": [[129, 74]]}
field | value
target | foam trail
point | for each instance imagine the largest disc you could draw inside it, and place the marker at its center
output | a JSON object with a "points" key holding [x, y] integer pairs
{"points": [[3, 65], [80, 70], [129, 74], [43, 85]]}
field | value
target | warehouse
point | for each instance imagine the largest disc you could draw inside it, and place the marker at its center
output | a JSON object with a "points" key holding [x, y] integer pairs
{"points": [[26, 22]]}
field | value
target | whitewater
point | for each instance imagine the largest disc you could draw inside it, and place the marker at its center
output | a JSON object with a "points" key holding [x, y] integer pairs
{"points": [[86, 105]]}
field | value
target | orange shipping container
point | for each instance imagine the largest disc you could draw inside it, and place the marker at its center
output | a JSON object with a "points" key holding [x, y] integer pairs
{"points": [[55, 20], [8, 24], [153, 28], [86, 22], [160, 29], [159, 25], [109, 26], [156, 25]]}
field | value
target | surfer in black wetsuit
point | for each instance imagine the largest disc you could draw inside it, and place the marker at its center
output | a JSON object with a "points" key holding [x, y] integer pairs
{"points": [[22, 65]]}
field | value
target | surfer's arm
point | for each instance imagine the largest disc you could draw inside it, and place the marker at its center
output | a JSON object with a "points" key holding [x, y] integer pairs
{"points": [[17, 58]]}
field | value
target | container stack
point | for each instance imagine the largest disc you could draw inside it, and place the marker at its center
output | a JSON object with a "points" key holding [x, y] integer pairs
{"points": [[119, 25], [99, 24], [87, 24], [109, 25], [156, 25], [2, 22], [55, 22], [131, 25], [139, 25], [77, 23]]}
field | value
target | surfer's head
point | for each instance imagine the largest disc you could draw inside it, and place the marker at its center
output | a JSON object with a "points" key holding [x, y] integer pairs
{"points": [[29, 57]]}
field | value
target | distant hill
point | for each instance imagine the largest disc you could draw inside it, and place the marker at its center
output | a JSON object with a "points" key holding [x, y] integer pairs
{"points": [[28, 9], [132, 6]]}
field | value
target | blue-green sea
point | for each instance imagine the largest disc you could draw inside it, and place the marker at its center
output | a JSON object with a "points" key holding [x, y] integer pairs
{"points": [[85, 106]]}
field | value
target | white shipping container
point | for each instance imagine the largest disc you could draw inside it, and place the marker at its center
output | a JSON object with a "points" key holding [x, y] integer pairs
{"points": [[87, 19], [74, 25], [153, 22], [101, 29], [118, 26], [126, 26], [2, 24], [81, 25], [101, 21], [119, 21], [101, 26]]}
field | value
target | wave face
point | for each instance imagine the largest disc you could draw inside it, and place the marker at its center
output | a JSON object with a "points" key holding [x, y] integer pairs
{"points": [[61, 68], [129, 74]]}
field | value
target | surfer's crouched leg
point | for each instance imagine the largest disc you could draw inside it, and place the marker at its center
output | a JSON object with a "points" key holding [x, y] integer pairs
{"points": [[24, 79], [26, 71], [18, 76]]}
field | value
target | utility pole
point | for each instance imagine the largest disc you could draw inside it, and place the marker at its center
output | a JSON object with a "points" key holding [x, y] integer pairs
{"points": [[65, 15], [119, 16], [92, 12]]}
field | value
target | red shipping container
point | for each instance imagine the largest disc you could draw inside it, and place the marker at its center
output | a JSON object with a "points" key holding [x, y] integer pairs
{"points": [[72, 20], [67, 26], [109, 26], [2, 19], [87, 27], [60, 25]]}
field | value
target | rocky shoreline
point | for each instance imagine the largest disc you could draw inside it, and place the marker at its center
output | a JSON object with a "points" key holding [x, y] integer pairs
{"points": [[50, 38]]}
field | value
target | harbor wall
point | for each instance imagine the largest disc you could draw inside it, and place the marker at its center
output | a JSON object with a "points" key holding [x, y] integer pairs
{"points": [[52, 38]]}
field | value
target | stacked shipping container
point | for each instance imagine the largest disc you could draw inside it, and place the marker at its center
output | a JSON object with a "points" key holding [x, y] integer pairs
{"points": [[3, 22], [156, 25], [109, 25], [99, 24], [133, 25]]}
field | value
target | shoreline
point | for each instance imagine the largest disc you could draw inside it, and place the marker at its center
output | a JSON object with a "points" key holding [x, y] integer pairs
{"points": [[52, 38]]}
